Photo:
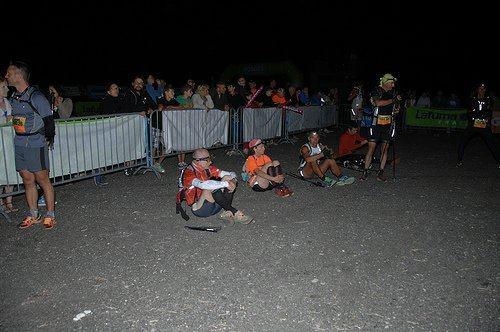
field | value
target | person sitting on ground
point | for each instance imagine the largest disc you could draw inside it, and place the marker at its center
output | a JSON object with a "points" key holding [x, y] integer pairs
{"points": [[208, 189], [349, 142], [316, 160], [264, 174]]}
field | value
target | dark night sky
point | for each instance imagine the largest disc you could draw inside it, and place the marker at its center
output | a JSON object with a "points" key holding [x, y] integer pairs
{"points": [[87, 43]]}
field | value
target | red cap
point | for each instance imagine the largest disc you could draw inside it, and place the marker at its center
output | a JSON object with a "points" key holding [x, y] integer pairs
{"points": [[253, 143]]}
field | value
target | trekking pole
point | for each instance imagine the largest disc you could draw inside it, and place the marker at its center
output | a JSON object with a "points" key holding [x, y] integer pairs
{"points": [[312, 182], [394, 159]]}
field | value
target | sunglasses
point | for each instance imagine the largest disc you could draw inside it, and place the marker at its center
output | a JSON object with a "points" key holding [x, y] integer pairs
{"points": [[203, 159]]}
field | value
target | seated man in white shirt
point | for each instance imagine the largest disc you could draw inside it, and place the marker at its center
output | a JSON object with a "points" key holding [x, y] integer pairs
{"points": [[208, 190]]}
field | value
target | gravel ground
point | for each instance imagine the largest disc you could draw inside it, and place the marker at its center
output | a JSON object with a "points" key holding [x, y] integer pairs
{"points": [[419, 252]]}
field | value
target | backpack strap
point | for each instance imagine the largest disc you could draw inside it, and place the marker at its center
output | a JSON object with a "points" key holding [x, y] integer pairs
{"points": [[33, 108], [181, 195]]}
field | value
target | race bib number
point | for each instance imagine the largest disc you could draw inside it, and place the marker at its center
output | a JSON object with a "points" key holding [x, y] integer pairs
{"points": [[384, 120], [19, 124], [479, 123]]}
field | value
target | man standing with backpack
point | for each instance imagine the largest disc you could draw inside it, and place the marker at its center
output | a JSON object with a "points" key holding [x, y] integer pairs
{"points": [[35, 130]]}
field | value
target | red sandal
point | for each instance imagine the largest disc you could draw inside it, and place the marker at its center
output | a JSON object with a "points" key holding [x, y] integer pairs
{"points": [[49, 222], [29, 221]]}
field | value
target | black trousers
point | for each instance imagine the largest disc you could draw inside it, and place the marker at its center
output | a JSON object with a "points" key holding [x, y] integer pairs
{"points": [[487, 136]]}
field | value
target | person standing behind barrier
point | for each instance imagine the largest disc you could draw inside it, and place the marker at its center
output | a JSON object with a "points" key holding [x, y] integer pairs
{"points": [[34, 125], [479, 117], [292, 97], [5, 107], [112, 103], [202, 99], [154, 89], [241, 87], [137, 100], [5, 117], [208, 190], [165, 103], [61, 106], [185, 102], [263, 172], [235, 100], [279, 98], [383, 99], [303, 96], [219, 97]]}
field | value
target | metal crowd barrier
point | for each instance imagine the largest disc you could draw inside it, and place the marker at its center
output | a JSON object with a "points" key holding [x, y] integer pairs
{"points": [[88, 146], [84, 147]]}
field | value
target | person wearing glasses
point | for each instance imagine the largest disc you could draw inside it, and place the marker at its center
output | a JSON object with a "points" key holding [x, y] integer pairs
{"points": [[209, 190]]}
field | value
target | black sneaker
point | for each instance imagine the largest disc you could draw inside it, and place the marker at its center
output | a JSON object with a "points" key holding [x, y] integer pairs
{"points": [[100, 181], [459, 164], [364, 176]]}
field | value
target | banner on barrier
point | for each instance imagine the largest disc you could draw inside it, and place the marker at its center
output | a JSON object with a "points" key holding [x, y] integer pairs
{"points": [[439, 118]]}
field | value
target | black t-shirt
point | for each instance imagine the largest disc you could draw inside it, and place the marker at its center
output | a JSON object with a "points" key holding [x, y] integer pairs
{"points": [[381, 94], [481, 108], [111, 105]]}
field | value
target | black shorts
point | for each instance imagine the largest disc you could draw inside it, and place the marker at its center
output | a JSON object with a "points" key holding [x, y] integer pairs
{"points": [[380, 134], [32, 159], [258, 188]]}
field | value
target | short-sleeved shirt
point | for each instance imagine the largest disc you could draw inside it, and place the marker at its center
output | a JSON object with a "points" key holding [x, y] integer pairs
{"points": [[26, 120], [190, 173], [254, 163], [348, 143], [184, 102]]}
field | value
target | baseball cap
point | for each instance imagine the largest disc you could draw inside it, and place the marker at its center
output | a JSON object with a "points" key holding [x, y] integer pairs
{"points": [[253, 143], [387, 78]]}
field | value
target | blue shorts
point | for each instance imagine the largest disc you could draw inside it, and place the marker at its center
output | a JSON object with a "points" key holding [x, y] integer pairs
{"points": [[32, 159], [207, 209]]}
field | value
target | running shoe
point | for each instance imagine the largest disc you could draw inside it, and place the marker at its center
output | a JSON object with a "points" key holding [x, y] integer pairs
{"points": [[344, 179]]}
